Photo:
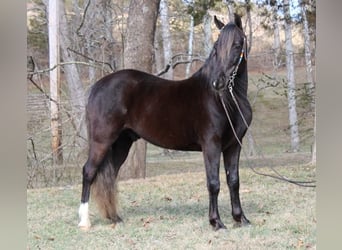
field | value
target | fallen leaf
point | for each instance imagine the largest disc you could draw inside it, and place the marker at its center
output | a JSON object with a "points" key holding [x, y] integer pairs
{"points": [[168, 198]]}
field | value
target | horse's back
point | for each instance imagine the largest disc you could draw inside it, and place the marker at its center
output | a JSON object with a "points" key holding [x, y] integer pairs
{"points": [[111, 88], [163, 112]]}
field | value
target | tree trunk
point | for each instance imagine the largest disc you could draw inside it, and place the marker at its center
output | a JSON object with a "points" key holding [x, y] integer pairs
{"points": [[230, 8], [276, 43], [309, 74], [97, 30], [308, 59], [248, 6], [167, 46], [74, 82], [56, 127], [190, 45], [138, 54], [166, 37], [208, 42], [291, 85], [251, 146]]}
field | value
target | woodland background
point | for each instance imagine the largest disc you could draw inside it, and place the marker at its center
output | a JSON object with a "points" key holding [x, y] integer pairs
{"points": [[92, 40]]}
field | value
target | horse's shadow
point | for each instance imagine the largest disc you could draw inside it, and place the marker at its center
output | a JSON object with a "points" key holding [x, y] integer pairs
{"points": [[173, 211]]}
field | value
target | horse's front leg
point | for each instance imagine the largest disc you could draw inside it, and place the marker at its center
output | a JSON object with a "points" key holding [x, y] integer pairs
{"points": [[231, 157], [211, 155]]}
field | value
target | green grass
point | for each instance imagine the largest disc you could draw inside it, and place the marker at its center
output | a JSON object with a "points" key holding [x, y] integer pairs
{"points": [[170, 212]]}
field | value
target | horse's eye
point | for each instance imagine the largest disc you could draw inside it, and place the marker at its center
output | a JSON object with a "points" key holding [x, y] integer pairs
{"points": [[238, 46]]}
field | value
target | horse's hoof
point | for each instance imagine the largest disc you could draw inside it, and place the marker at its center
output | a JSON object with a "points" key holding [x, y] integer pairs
{"points": [[217, 224], [84, 226], [116, 219], [242, 222], [245, 221]]}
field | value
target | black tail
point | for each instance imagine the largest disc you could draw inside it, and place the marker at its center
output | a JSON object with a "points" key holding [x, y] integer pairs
{"points": [[104, 189]]}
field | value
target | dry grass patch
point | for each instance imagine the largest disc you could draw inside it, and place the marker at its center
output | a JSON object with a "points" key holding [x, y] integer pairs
{"points": [[171, 212]]}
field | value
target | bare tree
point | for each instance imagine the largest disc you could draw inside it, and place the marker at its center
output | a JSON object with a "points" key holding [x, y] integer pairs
{"points": [[166, 36], [199, 12], [291, 84], [248, 7], [271, 24], [230, 7], [74, 82], [56, 130], [276, 43], [167, 44], [309, 71], [208, 43], [138, 54], [190, 44], [96, 31], [308, 57]]}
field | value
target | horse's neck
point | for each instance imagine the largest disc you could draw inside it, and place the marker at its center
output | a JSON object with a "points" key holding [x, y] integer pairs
{"points": [[205, 74], [242, 85], [202, 77], [205, 77], [241, 82]]}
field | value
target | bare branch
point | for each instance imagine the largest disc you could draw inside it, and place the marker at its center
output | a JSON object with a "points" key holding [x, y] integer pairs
{"points": [[83, 19], [175, 62], [33, 148], [62, 64], [91, 59], [30, 77]]}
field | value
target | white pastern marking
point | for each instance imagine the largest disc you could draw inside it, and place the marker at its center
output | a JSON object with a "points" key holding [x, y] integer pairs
{"points": [[83, 213]]}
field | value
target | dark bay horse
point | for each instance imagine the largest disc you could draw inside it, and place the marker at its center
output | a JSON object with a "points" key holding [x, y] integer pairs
{"points": [[182, 115]]}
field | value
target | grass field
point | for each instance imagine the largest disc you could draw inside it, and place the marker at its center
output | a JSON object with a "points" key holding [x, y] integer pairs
{"points": [[171, 212], [169, 209]]}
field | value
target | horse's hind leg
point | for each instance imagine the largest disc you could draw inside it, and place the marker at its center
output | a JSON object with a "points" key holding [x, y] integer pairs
{"points": [[104, 188], [231, 158], [97, 153], [120, 148]]}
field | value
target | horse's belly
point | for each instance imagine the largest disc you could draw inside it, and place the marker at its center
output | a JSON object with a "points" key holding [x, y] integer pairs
{"points": [[166, 117], [171, 135], [173, 146]]}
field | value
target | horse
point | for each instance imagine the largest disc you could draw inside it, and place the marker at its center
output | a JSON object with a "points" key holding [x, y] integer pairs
{"points": [[183, 115]]}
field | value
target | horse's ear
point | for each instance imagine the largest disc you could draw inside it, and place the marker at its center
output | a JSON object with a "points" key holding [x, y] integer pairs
{"points": [[218, 23], [237, 21]]}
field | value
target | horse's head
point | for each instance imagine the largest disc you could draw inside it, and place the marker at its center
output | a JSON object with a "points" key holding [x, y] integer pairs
{"points": [[229, 52]]}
